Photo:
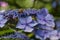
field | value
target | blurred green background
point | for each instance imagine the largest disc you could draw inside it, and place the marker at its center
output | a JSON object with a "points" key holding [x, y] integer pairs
{"points": [[53, 7]]}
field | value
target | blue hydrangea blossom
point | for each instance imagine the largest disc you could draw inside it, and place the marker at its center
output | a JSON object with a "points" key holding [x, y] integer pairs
{"points": [[44, 18], [26, 24], [43, 34]]}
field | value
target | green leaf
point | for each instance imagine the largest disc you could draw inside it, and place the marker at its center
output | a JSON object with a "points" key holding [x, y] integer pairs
{"points": [[48, 6], [4, 32], [11, 1], [38, 4], [25, 3], [30, 35], [47, 0]]}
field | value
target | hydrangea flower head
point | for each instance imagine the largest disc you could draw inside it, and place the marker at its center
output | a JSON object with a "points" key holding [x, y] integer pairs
{"points": [[42, 26]]}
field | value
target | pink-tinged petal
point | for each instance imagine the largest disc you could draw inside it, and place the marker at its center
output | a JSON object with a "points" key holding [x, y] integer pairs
{"points": [[3, 4], [54, 38]]}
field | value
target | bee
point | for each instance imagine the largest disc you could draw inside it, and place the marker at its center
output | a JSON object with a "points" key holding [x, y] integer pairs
{"points": [[20, 10]]}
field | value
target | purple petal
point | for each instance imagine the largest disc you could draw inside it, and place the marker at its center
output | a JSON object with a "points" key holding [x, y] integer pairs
{"points": [[20, 26], [28, 29], [50, 20], [33, 23], [41, 21], [1, 17], [22, 20], [3, 21], [41, 34], [30, 11], [2, 25], [40, 16], [53, 32], [49, 17], [59, 34], [25, 20], [54, 38], [15, 13], [29, 19], [45, 27], [52, 24], [43, 12]]}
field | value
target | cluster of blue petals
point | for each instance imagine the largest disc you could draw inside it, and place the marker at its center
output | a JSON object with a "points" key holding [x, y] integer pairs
{"points": [[40, 22]]}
